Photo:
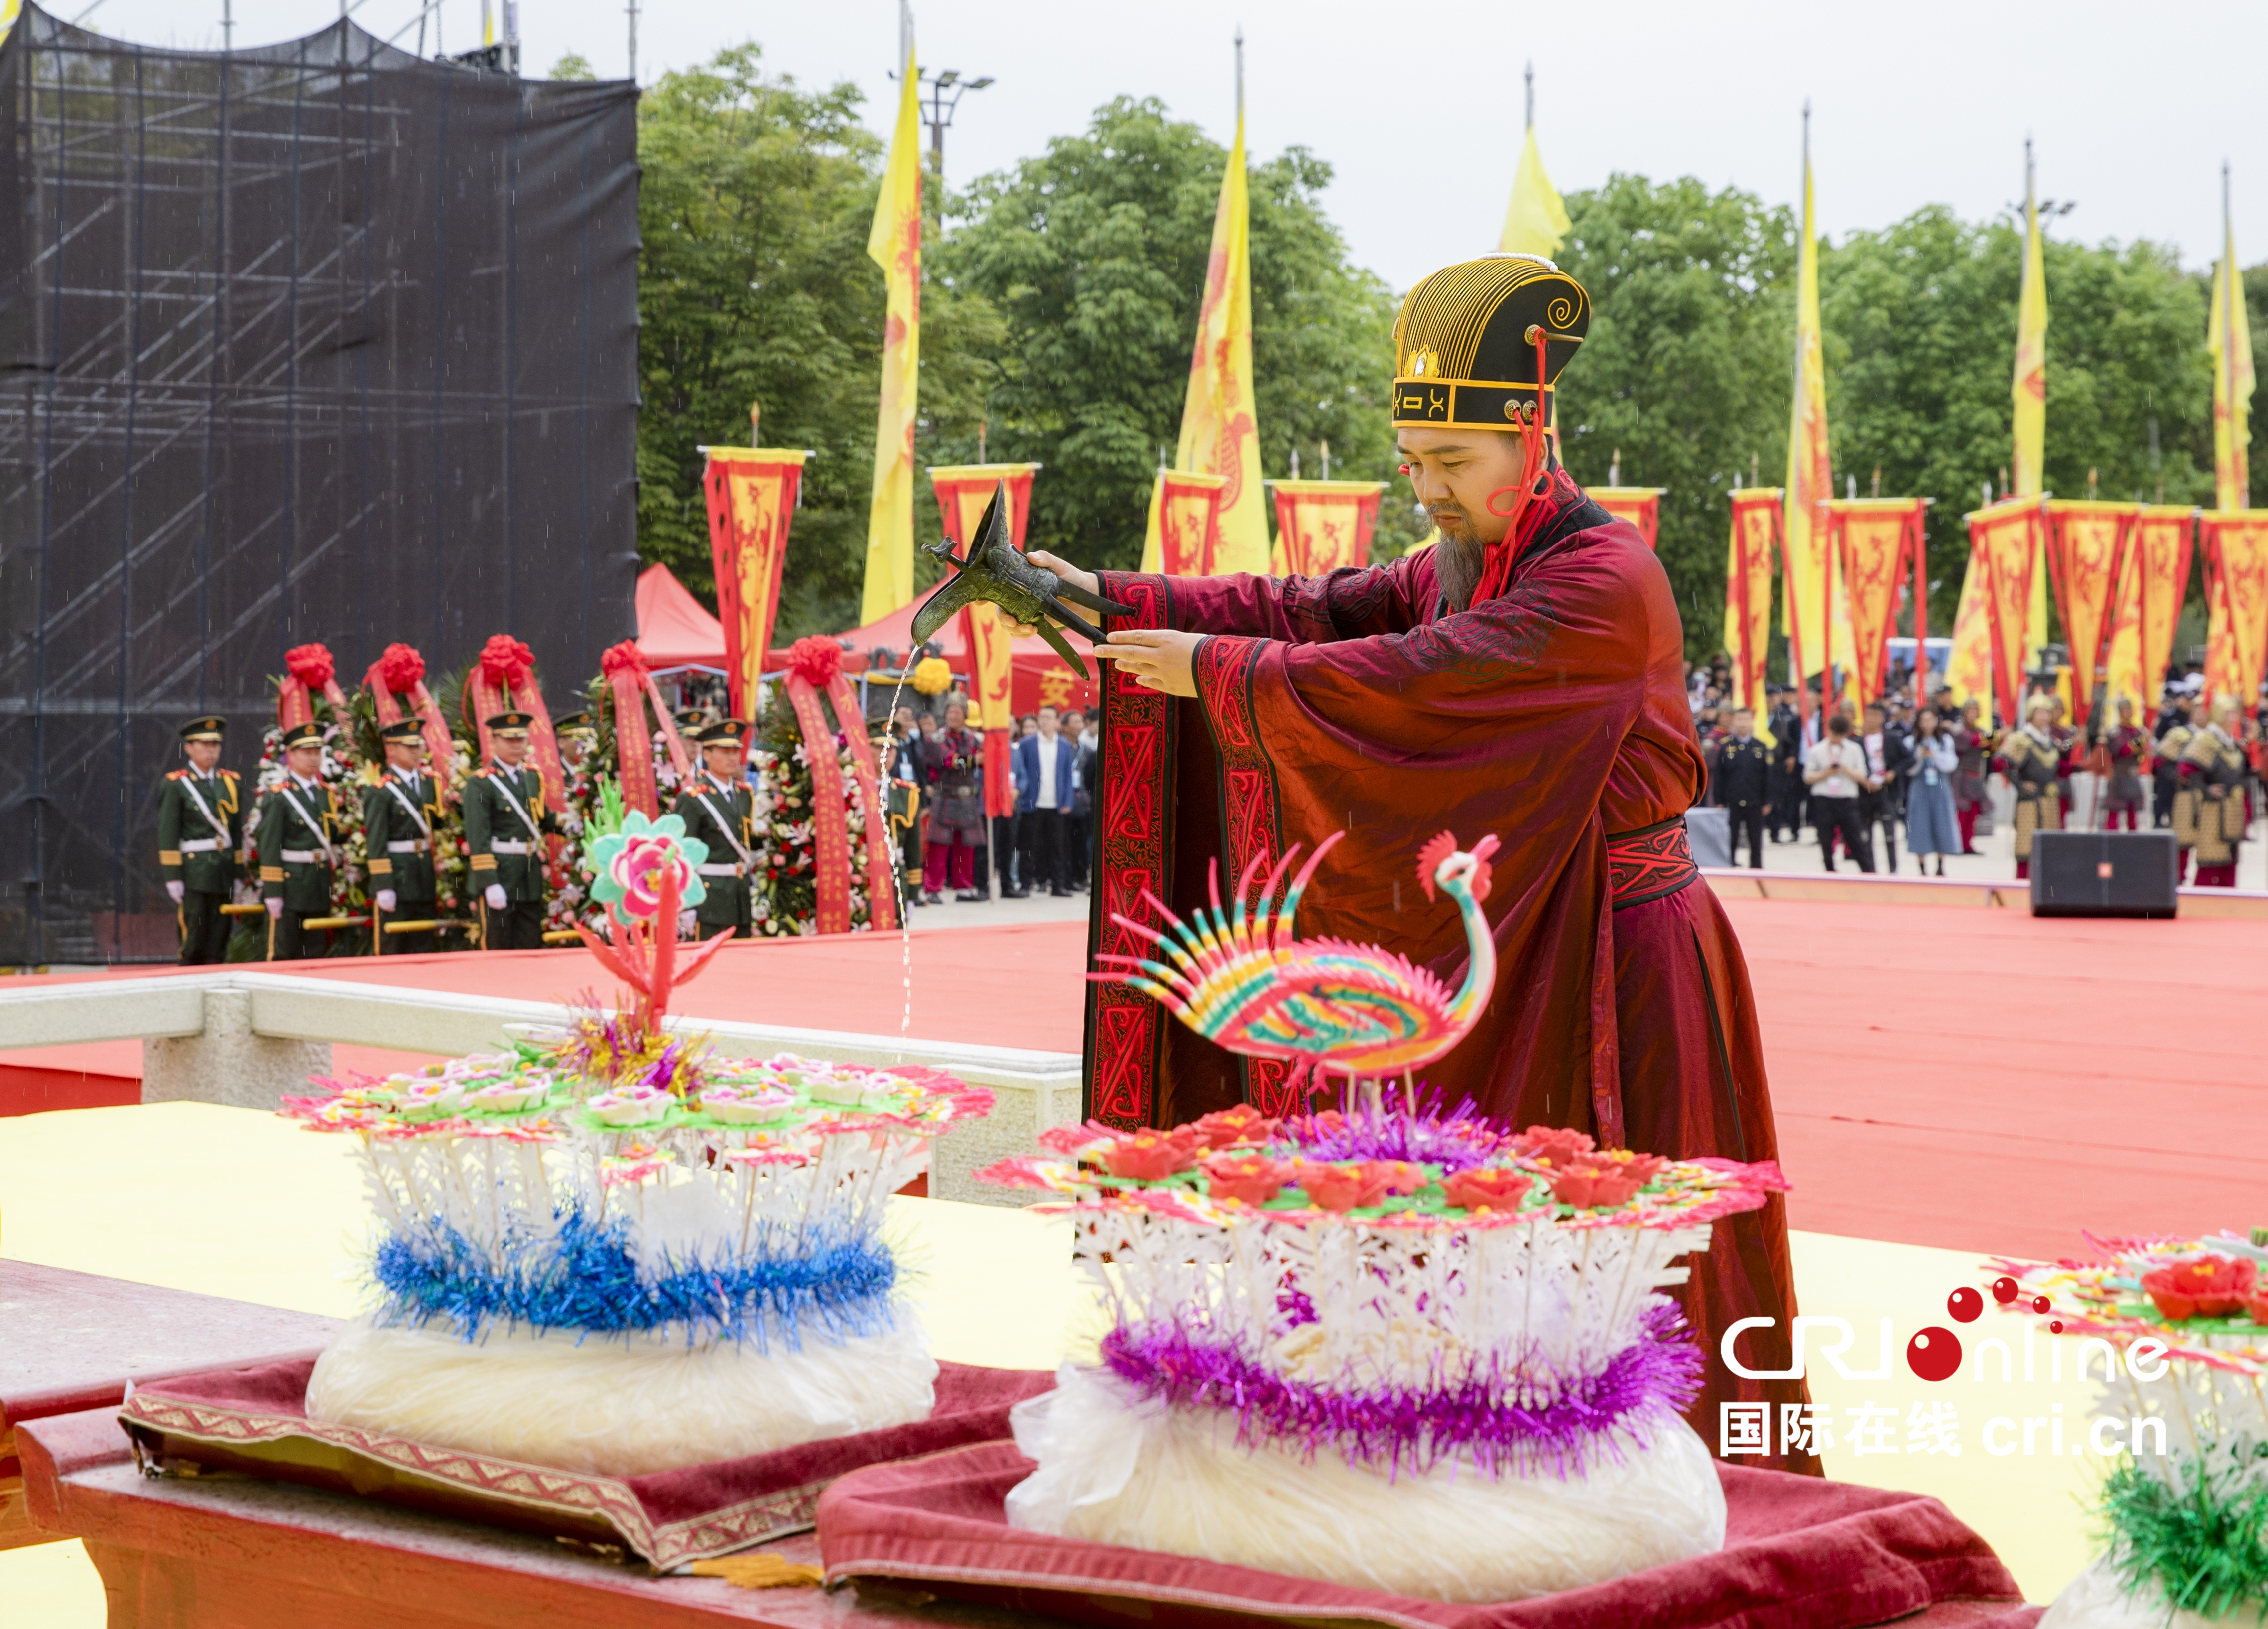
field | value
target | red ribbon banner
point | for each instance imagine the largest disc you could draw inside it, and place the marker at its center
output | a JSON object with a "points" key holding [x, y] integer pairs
{"points": [[504, 679], [306, 669], [401, 672], [813, 662]]}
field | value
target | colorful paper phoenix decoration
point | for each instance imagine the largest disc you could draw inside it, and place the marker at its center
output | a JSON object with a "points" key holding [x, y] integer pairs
{"points": [[1239, 977], [610, 1249]]}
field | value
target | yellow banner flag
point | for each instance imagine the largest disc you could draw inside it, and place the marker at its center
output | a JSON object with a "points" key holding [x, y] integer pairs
{"points": [[1220, 434], [1536, 222], [894, 243], [2030, 393], [2229, 338], [1818, 617]]}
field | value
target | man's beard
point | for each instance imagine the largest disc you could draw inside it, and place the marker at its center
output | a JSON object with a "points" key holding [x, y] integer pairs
{"points": [[1458, 561]]}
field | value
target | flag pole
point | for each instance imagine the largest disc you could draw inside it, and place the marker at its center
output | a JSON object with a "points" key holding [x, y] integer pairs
{"points": [[1531, 119], [1240, 73]]}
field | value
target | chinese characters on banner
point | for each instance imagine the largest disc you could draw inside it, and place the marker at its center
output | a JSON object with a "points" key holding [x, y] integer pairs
{"points": [[963, 491], [751, 502], [1184, 533], [2235, 550], [1876, 541], [2087, 544], [1749, 570], [1323, 525], [2150, 595], [2005, 540], [1640, 506]]}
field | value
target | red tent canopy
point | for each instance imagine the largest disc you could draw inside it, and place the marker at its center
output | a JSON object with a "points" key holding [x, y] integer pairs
{"points": [[1041, 675], [674, 630]]}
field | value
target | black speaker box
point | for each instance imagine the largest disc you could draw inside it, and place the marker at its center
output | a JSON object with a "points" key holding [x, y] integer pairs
{"points": [[2104, 873]]}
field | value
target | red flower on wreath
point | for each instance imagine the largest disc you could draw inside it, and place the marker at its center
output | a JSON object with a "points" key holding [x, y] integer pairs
{"points": [[2211, 1287], [814, 660], [402, 669], [624, 658], [505, 662], [310, 665]]}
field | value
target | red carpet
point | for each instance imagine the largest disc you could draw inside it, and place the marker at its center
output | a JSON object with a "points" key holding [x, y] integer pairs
{"points": [[1974, 1080]]}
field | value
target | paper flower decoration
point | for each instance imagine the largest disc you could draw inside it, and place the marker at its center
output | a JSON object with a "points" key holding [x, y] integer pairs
{"points": [[628, 866], [932, 675]]}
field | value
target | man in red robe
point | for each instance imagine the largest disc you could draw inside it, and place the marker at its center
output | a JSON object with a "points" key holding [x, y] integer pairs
{"points": [[1523, 678]]}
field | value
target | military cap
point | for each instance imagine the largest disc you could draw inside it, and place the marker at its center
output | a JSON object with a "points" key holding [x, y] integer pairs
{"points": [[309, 734], [208, 728], [510, 725], [1465, 342], [402, 730], [724, 733], [573, 723]]}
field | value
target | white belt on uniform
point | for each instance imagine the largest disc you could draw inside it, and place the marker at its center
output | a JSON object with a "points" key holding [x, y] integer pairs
{"points": [[300, 857], [720, 871], [201, 845], [413, 846], [507, 848]]}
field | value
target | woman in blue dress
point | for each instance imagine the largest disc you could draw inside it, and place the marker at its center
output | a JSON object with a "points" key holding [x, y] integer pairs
{"points": [[1931, 828]]}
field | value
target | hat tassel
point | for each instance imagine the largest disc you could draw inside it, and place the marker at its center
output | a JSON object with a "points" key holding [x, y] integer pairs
{"points": [[1496, 574]]}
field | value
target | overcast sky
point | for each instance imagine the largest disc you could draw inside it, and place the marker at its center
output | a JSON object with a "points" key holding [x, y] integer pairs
{"points": [[1417, 106]]}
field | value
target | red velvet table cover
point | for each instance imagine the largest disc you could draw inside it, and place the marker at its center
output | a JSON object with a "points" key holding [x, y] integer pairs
{"points": [[1800, 1553], [254, 1420]]}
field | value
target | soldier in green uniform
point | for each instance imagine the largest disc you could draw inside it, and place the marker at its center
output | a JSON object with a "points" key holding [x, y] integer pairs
{"points": [[505, 826], [398, 815], [299, 846], [200, 834], [717, 807], [576, 735]]}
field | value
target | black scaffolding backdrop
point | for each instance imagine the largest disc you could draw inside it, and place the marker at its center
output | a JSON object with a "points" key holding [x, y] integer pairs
{"points": [[316, 341]]}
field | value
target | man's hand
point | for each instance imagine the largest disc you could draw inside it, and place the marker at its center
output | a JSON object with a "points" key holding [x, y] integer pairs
{"points": [[1066, 572], [1160, 658], [275, 910], [385, 897], [175, 889], [495, 896]]}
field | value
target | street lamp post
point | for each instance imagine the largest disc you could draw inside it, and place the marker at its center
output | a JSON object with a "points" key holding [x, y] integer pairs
{"points": [[943, 91]]}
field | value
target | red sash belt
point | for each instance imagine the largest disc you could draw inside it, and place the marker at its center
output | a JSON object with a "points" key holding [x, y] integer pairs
{"points": [[1651, 863]]}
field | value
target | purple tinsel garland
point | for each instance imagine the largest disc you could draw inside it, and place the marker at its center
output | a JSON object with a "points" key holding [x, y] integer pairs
{"points": [[1404, 1125], [1416, 1428]]}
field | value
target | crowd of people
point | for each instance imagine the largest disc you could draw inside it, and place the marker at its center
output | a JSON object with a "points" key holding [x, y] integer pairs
{"points": [[1856, 776], [950, 843]]}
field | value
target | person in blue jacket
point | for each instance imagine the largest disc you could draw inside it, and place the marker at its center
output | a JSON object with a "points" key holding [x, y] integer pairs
{"points": [[1047, 772]]}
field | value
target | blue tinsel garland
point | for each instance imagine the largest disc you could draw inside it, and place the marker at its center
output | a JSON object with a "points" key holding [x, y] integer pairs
{"points": [[586, 1279]]}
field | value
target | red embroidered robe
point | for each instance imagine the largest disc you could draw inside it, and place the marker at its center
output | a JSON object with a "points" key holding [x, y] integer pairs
{"points": [[1552, 716]]}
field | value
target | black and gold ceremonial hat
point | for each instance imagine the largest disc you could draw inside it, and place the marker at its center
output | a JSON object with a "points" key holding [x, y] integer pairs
{"points": [[208, 728], [304, 735], [510, 725], [402, 730], [1464, 346], [573, 723], [724, 733]]}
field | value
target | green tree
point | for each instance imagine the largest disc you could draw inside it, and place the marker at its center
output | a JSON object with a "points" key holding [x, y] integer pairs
{"points": [[754, 286], [1094, 255], [1685, 371], [1921, 334]]}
